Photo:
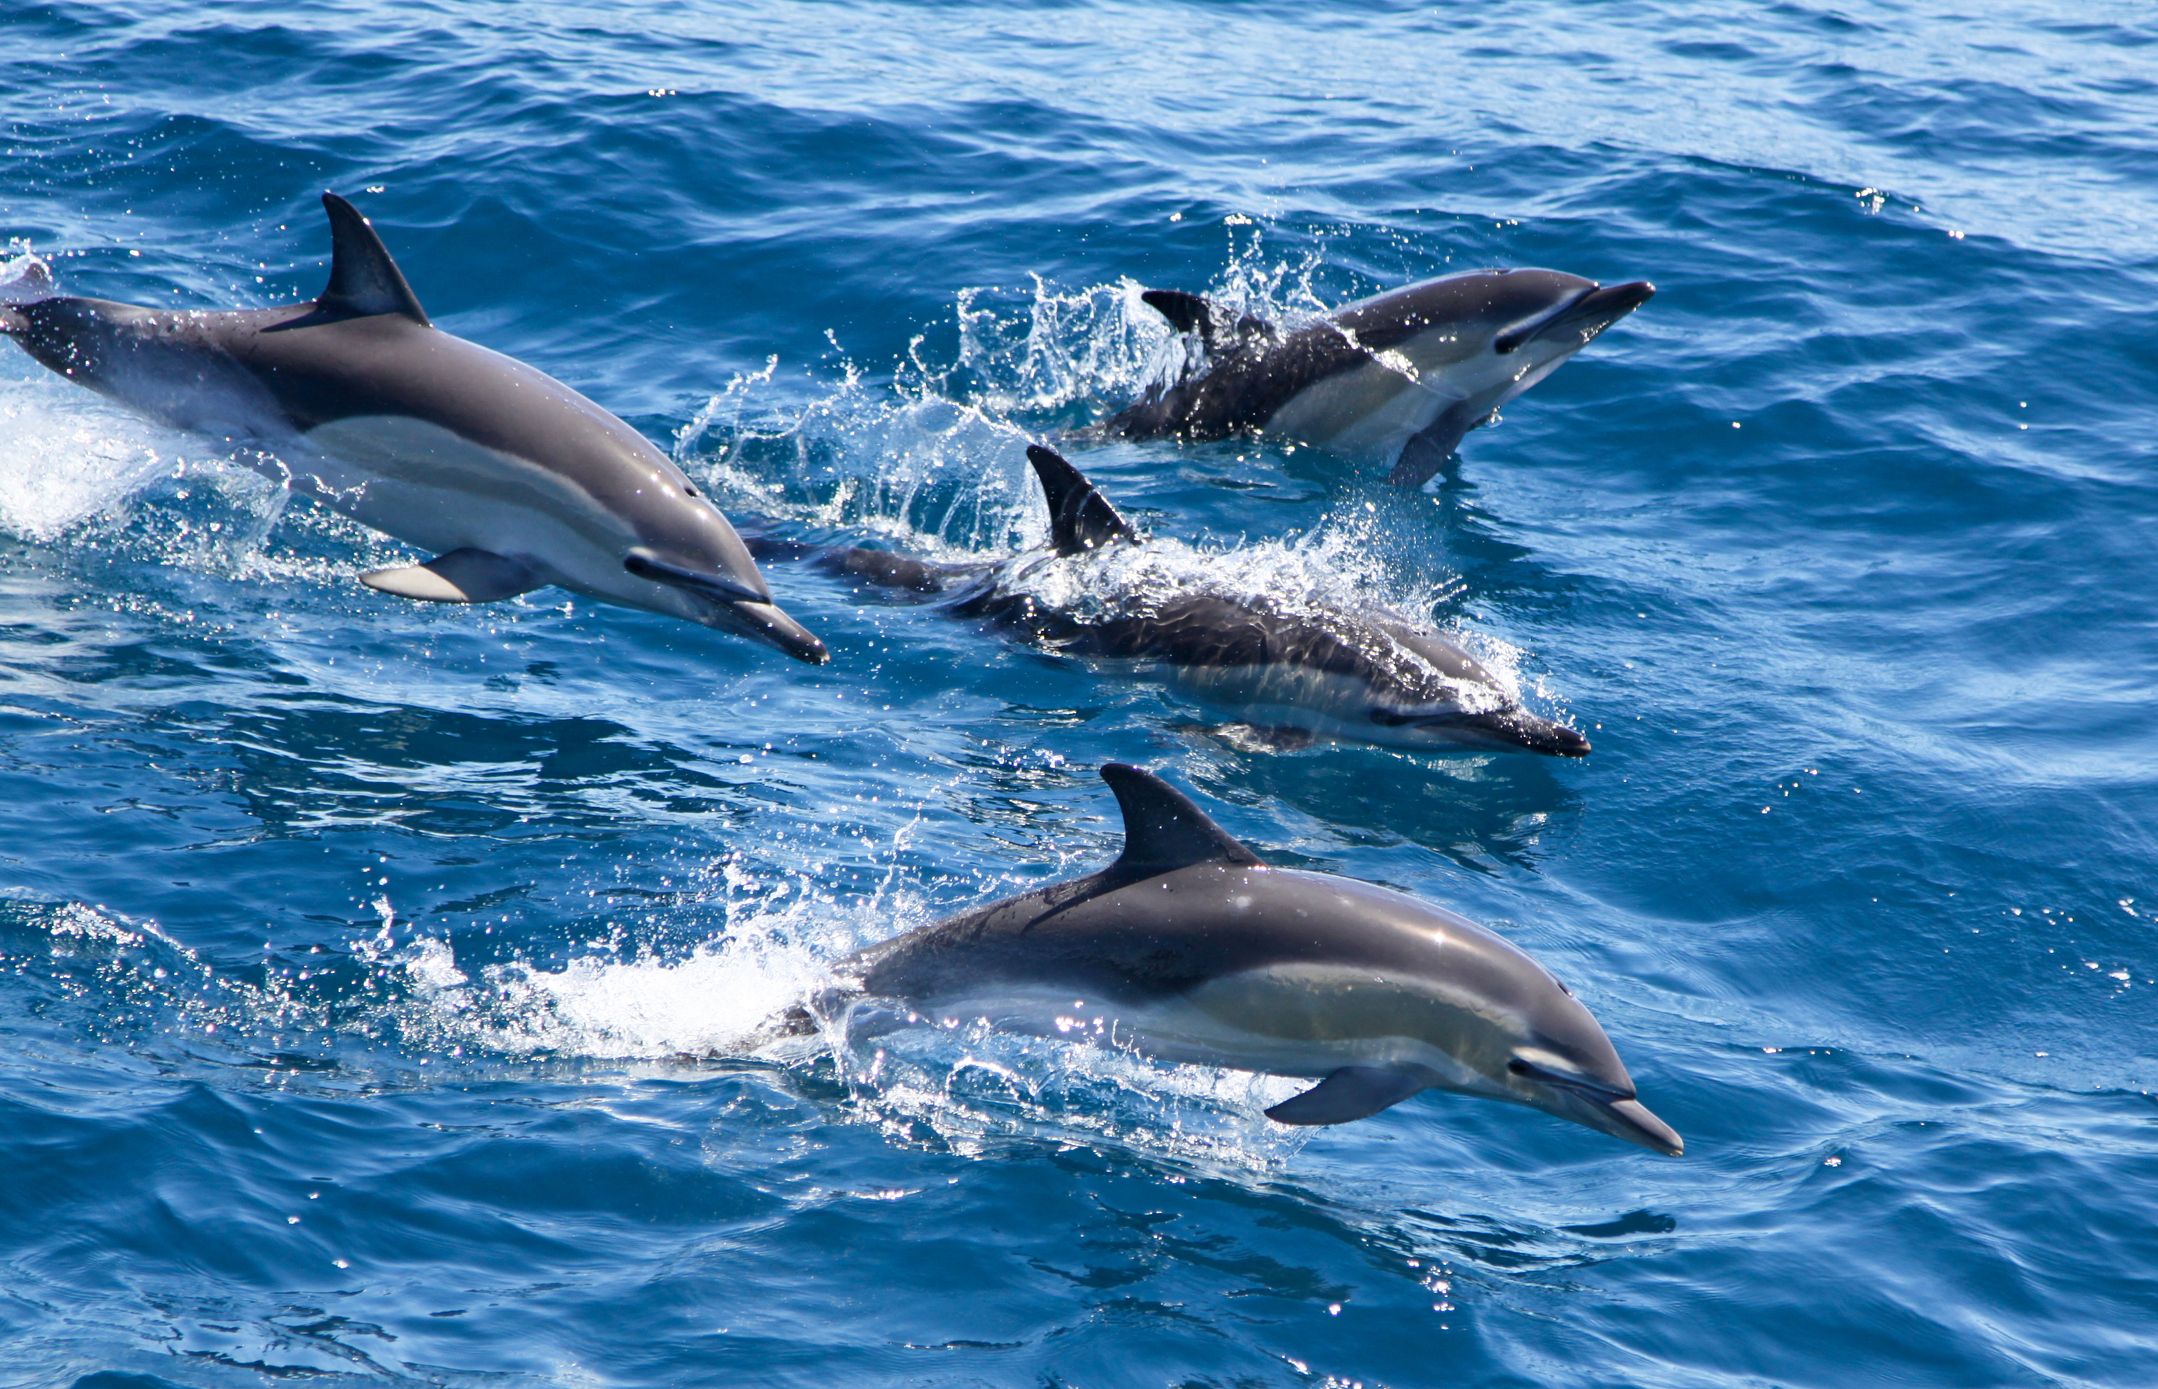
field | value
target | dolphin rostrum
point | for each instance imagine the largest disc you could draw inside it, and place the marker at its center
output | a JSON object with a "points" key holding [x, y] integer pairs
{"points": [[1191, 948], [1302, 670], [1396, 379], [508, 478]]}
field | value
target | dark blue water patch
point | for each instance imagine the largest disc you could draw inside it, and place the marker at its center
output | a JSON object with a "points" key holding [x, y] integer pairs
{"points": [[381, 984]]}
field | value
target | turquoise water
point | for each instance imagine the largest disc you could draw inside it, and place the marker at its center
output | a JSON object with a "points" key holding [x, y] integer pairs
{"points": [[350, 946]]}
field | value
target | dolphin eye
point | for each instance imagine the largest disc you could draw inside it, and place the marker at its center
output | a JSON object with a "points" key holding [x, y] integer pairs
{"points": [[689, 489], [1520, 1068]]}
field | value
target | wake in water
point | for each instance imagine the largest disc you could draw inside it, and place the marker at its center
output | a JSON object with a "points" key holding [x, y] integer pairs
{"points": [[933, 459], [930, 461], [930, 469], [402, 1006]]}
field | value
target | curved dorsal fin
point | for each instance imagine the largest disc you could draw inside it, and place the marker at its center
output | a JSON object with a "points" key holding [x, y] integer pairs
{"points": [[1080, 517], [1163, 830], [363, 278], [1187, 313], [1217, 325]]}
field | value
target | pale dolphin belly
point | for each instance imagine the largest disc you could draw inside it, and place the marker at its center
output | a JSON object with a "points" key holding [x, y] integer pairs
{"points": [[436, 490], [1374, 410], [1367, 412], [1306, 1021], [1330, 704]]}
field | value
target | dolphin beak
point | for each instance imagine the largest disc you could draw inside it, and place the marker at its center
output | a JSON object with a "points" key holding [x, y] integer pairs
{"points": [[1607, 1110], [734, 605], [768, 624], [1588, 314], [1632, 1121], [1541, 735], [1613, 302], [1519, 728]]}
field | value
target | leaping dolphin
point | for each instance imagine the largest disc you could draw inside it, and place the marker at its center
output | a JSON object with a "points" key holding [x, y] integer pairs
{"points": [[1397, 379], [1191, 948], [510, 479], [1307, 670]]}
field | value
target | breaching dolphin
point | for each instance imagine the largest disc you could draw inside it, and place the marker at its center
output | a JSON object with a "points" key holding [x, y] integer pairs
{"points": [[1301, 670], [510, 479], [1397, 379], [1190, 948]]}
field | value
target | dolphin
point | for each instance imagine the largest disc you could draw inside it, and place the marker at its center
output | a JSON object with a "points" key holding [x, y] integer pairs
{"points": [[1396, 379], [508, 478], [1302, 671], [1191, 948]]}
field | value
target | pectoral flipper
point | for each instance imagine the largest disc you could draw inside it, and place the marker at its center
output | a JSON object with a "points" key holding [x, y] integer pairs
{"points": [[461, 576], [1353, 1092]]}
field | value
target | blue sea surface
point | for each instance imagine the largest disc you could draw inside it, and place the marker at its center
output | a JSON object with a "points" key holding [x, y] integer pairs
{"points": [[358, 958]]}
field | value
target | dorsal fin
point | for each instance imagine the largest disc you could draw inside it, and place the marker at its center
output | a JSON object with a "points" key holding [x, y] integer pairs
{"points": [[1214, 323], [1163, 830], [1080, 517], [1187, 313], [363, 278]]}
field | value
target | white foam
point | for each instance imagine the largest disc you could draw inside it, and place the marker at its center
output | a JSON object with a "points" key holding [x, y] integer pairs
{"points": [[67, 455], [934, 466], [25, 278], [719, 1001]]}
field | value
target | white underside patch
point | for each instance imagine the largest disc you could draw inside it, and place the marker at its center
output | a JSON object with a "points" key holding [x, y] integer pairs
{"points": [[1225, 1023], [1372, 412], [1322, 703], [1367, 413], [441, 492]]}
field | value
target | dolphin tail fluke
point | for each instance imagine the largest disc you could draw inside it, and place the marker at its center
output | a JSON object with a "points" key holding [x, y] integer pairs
{"points": [[1351, 1093], [1080, 517], [364, 280]]}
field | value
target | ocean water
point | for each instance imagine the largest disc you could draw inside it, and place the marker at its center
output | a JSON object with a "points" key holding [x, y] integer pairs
{"points": [[352, 952]]}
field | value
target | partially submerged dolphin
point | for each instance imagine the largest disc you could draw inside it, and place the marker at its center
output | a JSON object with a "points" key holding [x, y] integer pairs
{"points": [[510, 479], [1196, 950], [1306, 671], [1397, 379]]}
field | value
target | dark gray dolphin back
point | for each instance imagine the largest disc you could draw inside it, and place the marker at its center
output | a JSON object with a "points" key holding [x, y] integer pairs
{"points": [[1080, 517], [1251, 368], [1061, 932], [363, 278], [1184, 904]]}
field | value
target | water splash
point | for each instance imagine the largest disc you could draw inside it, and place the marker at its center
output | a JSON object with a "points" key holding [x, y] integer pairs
{"points": [[25, 277], [63, 464], [403, 1000], [933, 464], [932, 453]]}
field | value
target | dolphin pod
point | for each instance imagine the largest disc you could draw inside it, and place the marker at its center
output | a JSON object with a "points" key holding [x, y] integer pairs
{"points": [[510, 479], [1396, 379], [1304, 671], [1197, 948], [1199, 951]]}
